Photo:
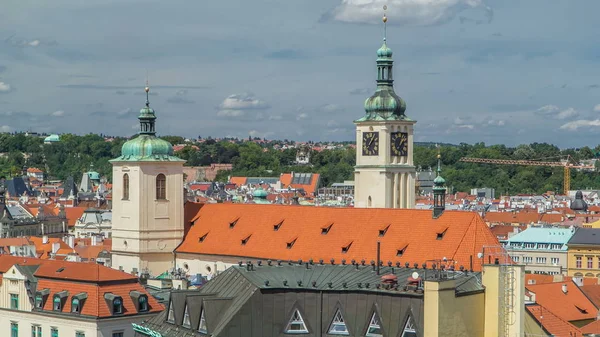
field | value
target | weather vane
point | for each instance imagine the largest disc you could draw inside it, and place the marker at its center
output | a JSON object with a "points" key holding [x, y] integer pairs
{"points": [[384, 23], [147, 89]]}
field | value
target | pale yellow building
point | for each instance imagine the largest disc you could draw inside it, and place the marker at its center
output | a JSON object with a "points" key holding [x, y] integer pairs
{"points": [[583, 253], [147, 220]]}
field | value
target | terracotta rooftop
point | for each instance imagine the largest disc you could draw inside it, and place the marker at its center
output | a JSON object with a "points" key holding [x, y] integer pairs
{"points": [[44, 249], [592, 328], [553, 324], [571, 306], [522, 217], [292, 233]]}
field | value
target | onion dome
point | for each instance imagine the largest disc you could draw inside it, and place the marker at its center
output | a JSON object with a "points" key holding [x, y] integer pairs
{"points": [[146, 146], [579, 204], [439, 182], [384, 104], [260, 193]]}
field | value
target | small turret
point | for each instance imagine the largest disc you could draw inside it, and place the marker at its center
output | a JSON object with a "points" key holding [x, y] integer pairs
{"points": [[439, 191]]}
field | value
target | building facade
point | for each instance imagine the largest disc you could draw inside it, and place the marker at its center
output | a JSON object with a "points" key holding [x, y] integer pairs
{"points": [[147, 201], [384, 175], [584, 253], [542, 250], [53, 298]]}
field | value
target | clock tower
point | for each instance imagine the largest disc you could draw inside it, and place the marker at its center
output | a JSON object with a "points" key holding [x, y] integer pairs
{"points": [[384, 174]]}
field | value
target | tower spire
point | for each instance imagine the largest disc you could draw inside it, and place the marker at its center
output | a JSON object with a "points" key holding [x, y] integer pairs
{"points": [[439, 189], [384, 24], [147, 89], [147, 117]]}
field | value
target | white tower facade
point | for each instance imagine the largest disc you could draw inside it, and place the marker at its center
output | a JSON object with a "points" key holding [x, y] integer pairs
{"points": [[147, 222], [384, 175]]}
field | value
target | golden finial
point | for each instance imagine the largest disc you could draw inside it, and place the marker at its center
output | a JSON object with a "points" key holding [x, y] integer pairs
{"points": [[384, 23], [384, 17], [147, 89]]}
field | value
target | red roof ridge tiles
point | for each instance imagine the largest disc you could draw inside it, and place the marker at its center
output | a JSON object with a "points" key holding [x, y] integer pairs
{"points": [[552, 323]]}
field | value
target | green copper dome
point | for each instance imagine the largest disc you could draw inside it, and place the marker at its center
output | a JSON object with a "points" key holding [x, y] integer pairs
{"points": [[146, 146], [260, 193], [384, 104], [439, 181], [384, 52]]}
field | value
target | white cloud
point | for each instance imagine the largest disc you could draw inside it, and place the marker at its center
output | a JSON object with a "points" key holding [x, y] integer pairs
{"points": [[405, 12], [255, 133], [34, 43], [58, 113], [597, 108], [567, 113], [461, 120], [556, 113], [236, 105], [302, 116], [231, 113], [494, 122], [5, 128], [466, 126], [275, 118], [330, 108], [244, 101], [547, 110], [124, 112], [5, 87], [581, 123]]}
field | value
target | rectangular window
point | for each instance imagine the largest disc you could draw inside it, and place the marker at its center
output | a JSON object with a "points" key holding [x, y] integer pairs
{"points": [[542, 246], [79, 334], [53, 332], [118, 334], [540, 260], [530, 245], [516, 258], [556, 246], [527, 259], [554, 260], [590, 262], [14, 329], [578, 262], [36, 331], [14, 301]]}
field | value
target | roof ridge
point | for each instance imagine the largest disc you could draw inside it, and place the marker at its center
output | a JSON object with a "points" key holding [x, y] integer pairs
{"points": [[555, 315]]}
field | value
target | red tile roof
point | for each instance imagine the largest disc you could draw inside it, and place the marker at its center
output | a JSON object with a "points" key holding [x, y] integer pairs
{"points": [[592, 328], [44, 249], [311, 188], [572, 306], [408, 235], [73, 214], [553, 324], [502, 231], [239, 181], [522, 217]]}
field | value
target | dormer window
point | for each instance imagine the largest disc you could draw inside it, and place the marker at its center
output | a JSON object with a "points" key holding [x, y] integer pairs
{"points": [[75, 306], [117, 306], [114, 302], [143, 303], [40, 298], [57, 304], [77, 302]]}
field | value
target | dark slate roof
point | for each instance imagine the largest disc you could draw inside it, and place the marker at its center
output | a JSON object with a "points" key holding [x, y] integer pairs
{"points": [[68, 187], [585, 236], [230, 290], [16, 187]]}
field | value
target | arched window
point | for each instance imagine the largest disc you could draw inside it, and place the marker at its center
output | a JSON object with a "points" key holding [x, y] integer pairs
{"points": [[143, 303], [126, 186], [75, 305], [161, 187]]}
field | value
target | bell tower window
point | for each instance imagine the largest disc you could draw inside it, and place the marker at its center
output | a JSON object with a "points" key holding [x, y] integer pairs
{"points": [[126, 186], [161, 187]]}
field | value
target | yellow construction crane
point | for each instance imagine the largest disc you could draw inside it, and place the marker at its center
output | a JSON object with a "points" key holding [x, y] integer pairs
{"points": [[567, 166]]}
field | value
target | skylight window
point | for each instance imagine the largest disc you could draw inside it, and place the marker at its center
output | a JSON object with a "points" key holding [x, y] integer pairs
{"points": [[202, 327], [409, 329], [338, 325], [401, 251], [245, 240], [186, 318], [202, 238], [326, 229], [171, 317], [440, 235], [233, 223], [277, 226], [374, 329], [384, 230], [291, 243], [296, 324], [346, 247]]}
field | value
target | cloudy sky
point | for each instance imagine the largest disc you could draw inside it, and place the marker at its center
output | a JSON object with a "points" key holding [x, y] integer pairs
{"points": [[498, 71]]}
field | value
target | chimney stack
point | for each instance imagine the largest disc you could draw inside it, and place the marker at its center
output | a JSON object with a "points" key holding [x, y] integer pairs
{"points": [[55, 247], [564, 288], [45, 239]]}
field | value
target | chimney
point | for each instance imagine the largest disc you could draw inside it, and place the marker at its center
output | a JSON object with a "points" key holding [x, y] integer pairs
{"points": [[55, 247], [94, 240], [45, 239], [564, 288], [71, 241]]}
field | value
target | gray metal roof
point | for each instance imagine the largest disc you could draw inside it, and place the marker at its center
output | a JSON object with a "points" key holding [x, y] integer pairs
{"points": [[585, 236]]}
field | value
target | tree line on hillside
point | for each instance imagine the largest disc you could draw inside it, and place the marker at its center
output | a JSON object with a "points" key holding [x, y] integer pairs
{"points": [[74, 155]]}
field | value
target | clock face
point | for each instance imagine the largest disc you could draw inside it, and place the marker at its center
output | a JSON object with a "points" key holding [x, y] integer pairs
{"points": [[399, 144], [370, 143]]}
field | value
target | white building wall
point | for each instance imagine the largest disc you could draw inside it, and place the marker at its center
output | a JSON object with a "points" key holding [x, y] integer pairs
{"points": [[145, 231]]}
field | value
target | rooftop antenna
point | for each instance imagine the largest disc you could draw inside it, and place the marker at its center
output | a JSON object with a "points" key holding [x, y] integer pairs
{"points": [[384, 24]]}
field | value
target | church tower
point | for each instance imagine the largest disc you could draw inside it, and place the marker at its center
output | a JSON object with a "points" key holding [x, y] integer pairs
{"points": [[147, 221], [384, 174]]}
